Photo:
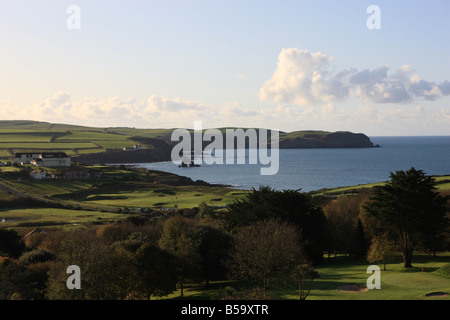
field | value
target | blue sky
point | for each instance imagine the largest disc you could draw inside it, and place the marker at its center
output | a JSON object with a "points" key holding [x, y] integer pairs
{"points": [[289, 65]]}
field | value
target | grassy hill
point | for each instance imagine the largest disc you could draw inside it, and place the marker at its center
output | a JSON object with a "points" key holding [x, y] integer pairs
{"points": [[442, 184], [118, 193], [27, 136]]}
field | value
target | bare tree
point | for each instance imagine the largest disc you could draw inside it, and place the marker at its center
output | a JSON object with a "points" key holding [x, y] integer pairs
{"points": [[265, 251]]}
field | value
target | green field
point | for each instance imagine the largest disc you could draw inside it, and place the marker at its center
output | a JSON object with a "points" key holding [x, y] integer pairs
{"points": [[53, 217], [442, 184], [42, 136], [396, 282], [148, 196], [14, 137], [122, 193], [75, 140], [119, 190]]}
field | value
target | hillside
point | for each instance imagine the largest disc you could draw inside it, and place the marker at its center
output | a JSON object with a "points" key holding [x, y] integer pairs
{"points": [[101, 145], [323, 139]]}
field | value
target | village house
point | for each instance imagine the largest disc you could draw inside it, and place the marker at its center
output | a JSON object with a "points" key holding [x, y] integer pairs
{"points": [[38, 174], [43, 159], [25, 158], [52, 159], [72, 173]]}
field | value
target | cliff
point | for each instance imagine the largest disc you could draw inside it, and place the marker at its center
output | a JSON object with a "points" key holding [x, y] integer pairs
{"points": [[319, 139], [106, 145]]}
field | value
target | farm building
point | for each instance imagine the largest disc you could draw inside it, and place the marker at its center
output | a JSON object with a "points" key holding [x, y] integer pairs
{"points": [[25, 158], [51, 159]]}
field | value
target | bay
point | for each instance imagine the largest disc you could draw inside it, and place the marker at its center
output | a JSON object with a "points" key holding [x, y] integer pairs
{"points": [[314, 169]]}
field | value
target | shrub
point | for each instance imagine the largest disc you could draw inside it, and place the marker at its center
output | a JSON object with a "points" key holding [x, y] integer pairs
{"points": [[35, 256], [444, 271]]}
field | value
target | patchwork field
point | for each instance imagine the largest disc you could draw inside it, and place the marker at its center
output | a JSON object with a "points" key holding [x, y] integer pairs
{"points": [[119, 192], [74, 140]]}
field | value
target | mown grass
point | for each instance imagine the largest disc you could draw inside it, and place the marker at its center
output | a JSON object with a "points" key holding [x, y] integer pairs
{"points": [[147, 195], [25, 218], [396, 282], [442, 184], [119, 190]]}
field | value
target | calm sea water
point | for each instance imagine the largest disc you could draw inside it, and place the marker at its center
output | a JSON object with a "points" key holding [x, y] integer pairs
{"points": [[313, 169]]}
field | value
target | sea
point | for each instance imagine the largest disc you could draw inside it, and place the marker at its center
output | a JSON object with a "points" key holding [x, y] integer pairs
{"points": [[314, 169]]}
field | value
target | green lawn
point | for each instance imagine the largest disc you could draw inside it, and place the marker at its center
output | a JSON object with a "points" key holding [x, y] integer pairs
{"points": [[52, 217], [51, 187], [396, 282], [442, 184], [147, 195], [119, 188]]}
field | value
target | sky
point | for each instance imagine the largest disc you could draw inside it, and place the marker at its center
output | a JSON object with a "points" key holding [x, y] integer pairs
{"points": [[287, 65]]}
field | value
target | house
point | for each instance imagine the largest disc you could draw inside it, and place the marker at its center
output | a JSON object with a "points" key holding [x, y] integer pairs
{"points": [[77, 173], [38, 174], [51, 159], [24, 158], [135, 147]]}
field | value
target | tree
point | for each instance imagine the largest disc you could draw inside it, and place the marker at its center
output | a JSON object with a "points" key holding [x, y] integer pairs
{"points": [[204, 210], [212, 245], [407, 209], [15, 281], [11, 244], [265, 251], [381, 249], [360, 244], [341, 217], [291, 206], [155, 274], [105, 272], [304, 273], [175, 240]]}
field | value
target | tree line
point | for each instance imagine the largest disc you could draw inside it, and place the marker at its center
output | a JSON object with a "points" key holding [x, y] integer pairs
{"points": [[271, 238]]}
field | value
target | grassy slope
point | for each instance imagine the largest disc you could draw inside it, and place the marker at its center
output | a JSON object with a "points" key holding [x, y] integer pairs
{"points": [[39, 136], [442, 184], [396, 282], [24, 136], [102, 199]]}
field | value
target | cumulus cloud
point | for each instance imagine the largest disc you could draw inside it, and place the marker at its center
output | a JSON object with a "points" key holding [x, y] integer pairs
{"points": [[155, 112], [305, 78], [302, 78]]}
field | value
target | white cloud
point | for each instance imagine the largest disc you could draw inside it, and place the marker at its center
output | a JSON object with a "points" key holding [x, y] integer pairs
{"points": [[304, 78], [164, 112]]}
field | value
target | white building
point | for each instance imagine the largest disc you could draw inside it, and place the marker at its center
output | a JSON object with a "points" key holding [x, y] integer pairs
{"points": [[51, 159], [25, 158]]}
